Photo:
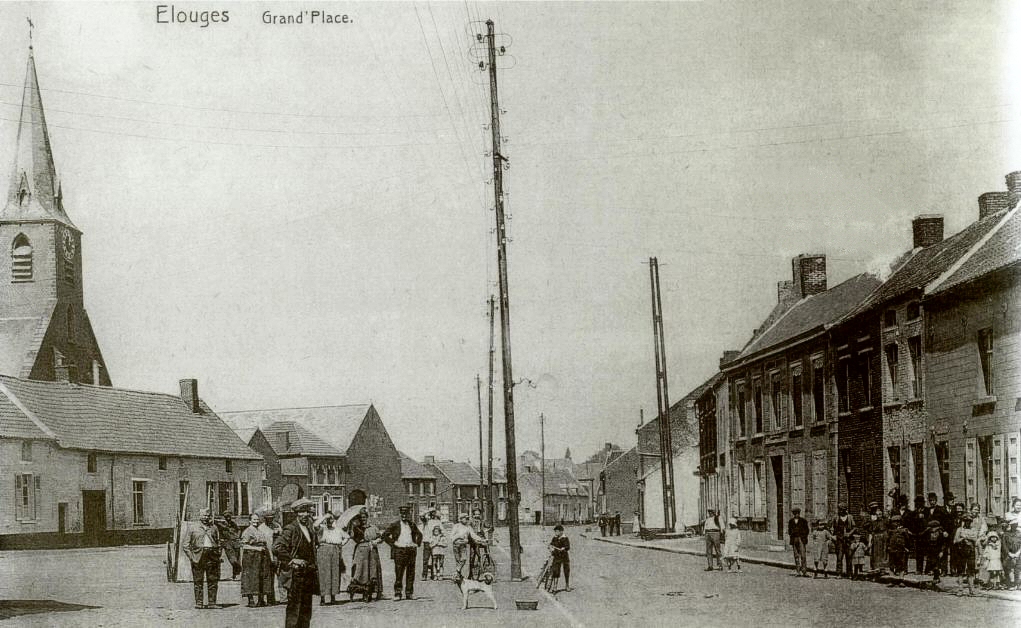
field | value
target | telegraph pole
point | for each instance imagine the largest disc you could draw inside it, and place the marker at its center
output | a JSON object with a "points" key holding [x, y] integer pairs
{"points": [[482, 488], [662, 401], [491, 502], [508, 377], [542, 454]]}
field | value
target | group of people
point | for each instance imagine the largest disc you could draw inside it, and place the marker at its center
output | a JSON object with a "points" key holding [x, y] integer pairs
{"points": [[609, 525], [943, 539]]}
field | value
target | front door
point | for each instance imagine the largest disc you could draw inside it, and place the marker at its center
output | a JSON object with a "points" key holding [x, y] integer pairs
{"points": [[778, 480], [93, 516], [62, 518]]}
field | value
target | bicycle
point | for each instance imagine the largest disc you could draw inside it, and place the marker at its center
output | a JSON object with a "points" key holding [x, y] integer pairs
{"points": [[546, 576]]}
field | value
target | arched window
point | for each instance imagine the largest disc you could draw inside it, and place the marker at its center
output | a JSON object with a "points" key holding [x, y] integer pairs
{"points": [[21, 259]]}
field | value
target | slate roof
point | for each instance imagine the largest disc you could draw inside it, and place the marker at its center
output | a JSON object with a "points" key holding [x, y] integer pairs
{"points": [[498, 476], [336, 425], [924, 265], [557, 483], [1001, 248], [460, 473], [16, 424], [412, 469], [20, 338], [814, 312], [587, 470], [103, 418], [288, 438]]}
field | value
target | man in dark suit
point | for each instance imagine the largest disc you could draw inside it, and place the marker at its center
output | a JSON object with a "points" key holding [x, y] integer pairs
{"points": [[843, 533], [797, 528], [403, 537], [295, 550], [203, 550]]}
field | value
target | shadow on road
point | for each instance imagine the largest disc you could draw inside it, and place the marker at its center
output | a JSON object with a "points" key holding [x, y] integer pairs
{"points": [[14, 608]]}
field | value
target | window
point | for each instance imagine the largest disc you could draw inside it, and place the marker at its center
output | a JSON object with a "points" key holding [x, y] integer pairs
{"points": [[243, 508], [758, 406], [182, 495], [818, 388], [1013, 468], [798, 480], [844, 385], [892, 357], [819, 478], [26, 497], [163, 463], [227, 466], [890, 318], [21, 259], [985, 354], [777, 400], [264, 471], [267, 496], [324, 504], [797, 398], [866, 381], [914, 310], [943, 463], [893, 456], [742, 420], [26, 451], [915, 350], [918, 468], [760, 491], [409, 485], [331, 475], [422, 485], [90, 462], [138, 501]]}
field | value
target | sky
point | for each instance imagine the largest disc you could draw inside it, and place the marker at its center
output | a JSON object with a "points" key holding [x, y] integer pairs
{"points": [[300, 215]]}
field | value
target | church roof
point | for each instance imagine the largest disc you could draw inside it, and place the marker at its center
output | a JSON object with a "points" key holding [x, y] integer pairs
{"points": [[103, 418], [34, 193], [336, 425]]}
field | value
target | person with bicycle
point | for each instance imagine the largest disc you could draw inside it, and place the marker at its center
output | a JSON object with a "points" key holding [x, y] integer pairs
{"points": [[560, 547], [462, 540]]}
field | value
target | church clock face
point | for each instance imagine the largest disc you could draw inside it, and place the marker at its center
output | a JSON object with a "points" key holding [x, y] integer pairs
{"points": [[68, 242]]}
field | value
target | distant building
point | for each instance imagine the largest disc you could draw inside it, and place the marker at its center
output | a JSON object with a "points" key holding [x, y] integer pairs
{"points": [[419, 484], [369, 463], [618, 485], [95, 465], [458, 490]]}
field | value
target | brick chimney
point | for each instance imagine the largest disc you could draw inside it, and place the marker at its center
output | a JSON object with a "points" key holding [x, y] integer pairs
{"points": [[190, 395], [729, 356], [992, 202], [809, 271], [927, 230], [429, 459], [1014, 187]]}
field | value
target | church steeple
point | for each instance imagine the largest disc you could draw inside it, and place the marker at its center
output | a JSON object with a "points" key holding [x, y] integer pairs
{"points": [[33, 192]]}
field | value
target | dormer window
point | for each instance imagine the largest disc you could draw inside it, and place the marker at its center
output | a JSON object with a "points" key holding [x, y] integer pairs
{"points": [[914, 310], [23, 197], [21, 259]]}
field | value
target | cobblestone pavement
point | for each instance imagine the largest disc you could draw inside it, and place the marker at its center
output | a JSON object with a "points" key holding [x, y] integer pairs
{"points": [[614, 585]]}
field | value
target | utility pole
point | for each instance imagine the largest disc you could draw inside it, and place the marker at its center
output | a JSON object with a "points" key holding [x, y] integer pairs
{"points": [[505, 344], [542, 454], [491, 502], [482, 488], [662, 401]]}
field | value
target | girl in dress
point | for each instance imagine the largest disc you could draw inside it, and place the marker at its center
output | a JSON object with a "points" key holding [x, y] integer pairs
{"points": [[857, 557], [732, 546], [819, 547], [994, 564], [439, 547]]}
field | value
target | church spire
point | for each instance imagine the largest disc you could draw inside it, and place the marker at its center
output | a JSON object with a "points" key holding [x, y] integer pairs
{"points": [[33, 191]]}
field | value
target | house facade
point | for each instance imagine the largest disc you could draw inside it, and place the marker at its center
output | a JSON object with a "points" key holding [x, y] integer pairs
{"points": [[419, 486], [121, 467]]}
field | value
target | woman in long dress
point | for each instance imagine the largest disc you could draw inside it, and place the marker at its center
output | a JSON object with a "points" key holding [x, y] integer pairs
{"points": [[256, 569], [366, 570], [328, 558], [876, 527]]}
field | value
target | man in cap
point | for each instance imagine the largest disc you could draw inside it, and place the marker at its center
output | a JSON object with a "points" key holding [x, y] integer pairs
{"points": [[843, 535], [403, 537], [270, 531], [230, 541], [203, 550], [295, 551], [797, 528]]}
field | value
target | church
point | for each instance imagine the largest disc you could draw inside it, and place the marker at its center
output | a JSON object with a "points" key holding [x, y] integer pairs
{"points": [[82, 462]]}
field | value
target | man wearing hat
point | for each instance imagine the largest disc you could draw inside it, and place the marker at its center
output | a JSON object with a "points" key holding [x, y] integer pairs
{"points": [[203, 550], [295, 550], [230, 541], [403, 537], [843, 533], [915, 523], [271, 532], [797, 528], [429, 521]]}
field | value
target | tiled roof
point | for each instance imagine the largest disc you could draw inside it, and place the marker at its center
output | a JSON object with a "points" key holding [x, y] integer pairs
{"points": [[927, 264], [557, 483], [498, 476], [412, 469], [1002, 248], [15, 424], [587, 470], [20, 338], [113, 419], [685, 428], [814, 312], [460, 473], [290, 438], [337, 425]]}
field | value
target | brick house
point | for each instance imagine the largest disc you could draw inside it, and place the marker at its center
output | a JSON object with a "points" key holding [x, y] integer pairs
{"points": [[881, 368], [370, 463], [618, 485], [972, 377], [567, 499], [457, 487], [96, 465], [784, 437], [712, 408], [419, 486], [45, 332]]}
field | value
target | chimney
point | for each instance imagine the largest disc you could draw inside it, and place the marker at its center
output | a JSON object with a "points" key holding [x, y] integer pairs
{"points": [[429, 460], [992, 202], [729, 356], [190, 394], [786, 294], [62, 373], [1014, 187], [809, 272], [927, 230]]}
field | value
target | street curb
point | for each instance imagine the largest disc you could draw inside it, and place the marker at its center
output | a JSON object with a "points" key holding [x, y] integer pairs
{"points": [[785, 565]]}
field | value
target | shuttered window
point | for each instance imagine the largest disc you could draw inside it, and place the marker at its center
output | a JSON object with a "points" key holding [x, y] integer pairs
{"points": [[820, 477], [1013, 468], [26, 497], [996, 502], [970, 471], [760, 490], [21, 259], [798, 480]]}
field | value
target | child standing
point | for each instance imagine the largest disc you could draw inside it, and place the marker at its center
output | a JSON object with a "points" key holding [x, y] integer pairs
{"points": [[857, 556], [966, 543], [819, 547], [438, 545], [1012, 549], [994, 563], [898, 546], [732, 546], [560, 547]]}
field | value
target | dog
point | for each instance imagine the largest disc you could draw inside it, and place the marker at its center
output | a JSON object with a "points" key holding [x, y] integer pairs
{"points": [[476, 586]]}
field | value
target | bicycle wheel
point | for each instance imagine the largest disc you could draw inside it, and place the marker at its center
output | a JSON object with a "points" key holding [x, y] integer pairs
{"points": [[544, 574]]}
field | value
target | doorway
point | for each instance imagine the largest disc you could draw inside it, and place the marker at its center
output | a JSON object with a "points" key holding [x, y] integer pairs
{"points": [[62, 518], [777, 462], [93, 516]]}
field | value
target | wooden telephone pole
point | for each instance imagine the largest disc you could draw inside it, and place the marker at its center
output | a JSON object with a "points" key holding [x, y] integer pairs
{"points": [[491, 504], [482, 487], [542, 454], [662, 401], [505, 344]]}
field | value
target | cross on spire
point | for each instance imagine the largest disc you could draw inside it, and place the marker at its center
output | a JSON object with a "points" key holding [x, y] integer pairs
{"points": [[31, 27]]}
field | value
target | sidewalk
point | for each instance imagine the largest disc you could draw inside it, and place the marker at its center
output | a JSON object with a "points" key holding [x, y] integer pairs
{"points": [[695, 546]]}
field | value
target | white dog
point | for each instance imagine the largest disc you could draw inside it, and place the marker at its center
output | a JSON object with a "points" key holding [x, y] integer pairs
{"points": [[480, 586]]}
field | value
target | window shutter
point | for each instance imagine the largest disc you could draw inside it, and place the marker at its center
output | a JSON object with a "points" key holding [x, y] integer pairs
{"points": [[36, 498], [970, 485], [996, 489], [19, 507], [1013, 468]]}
